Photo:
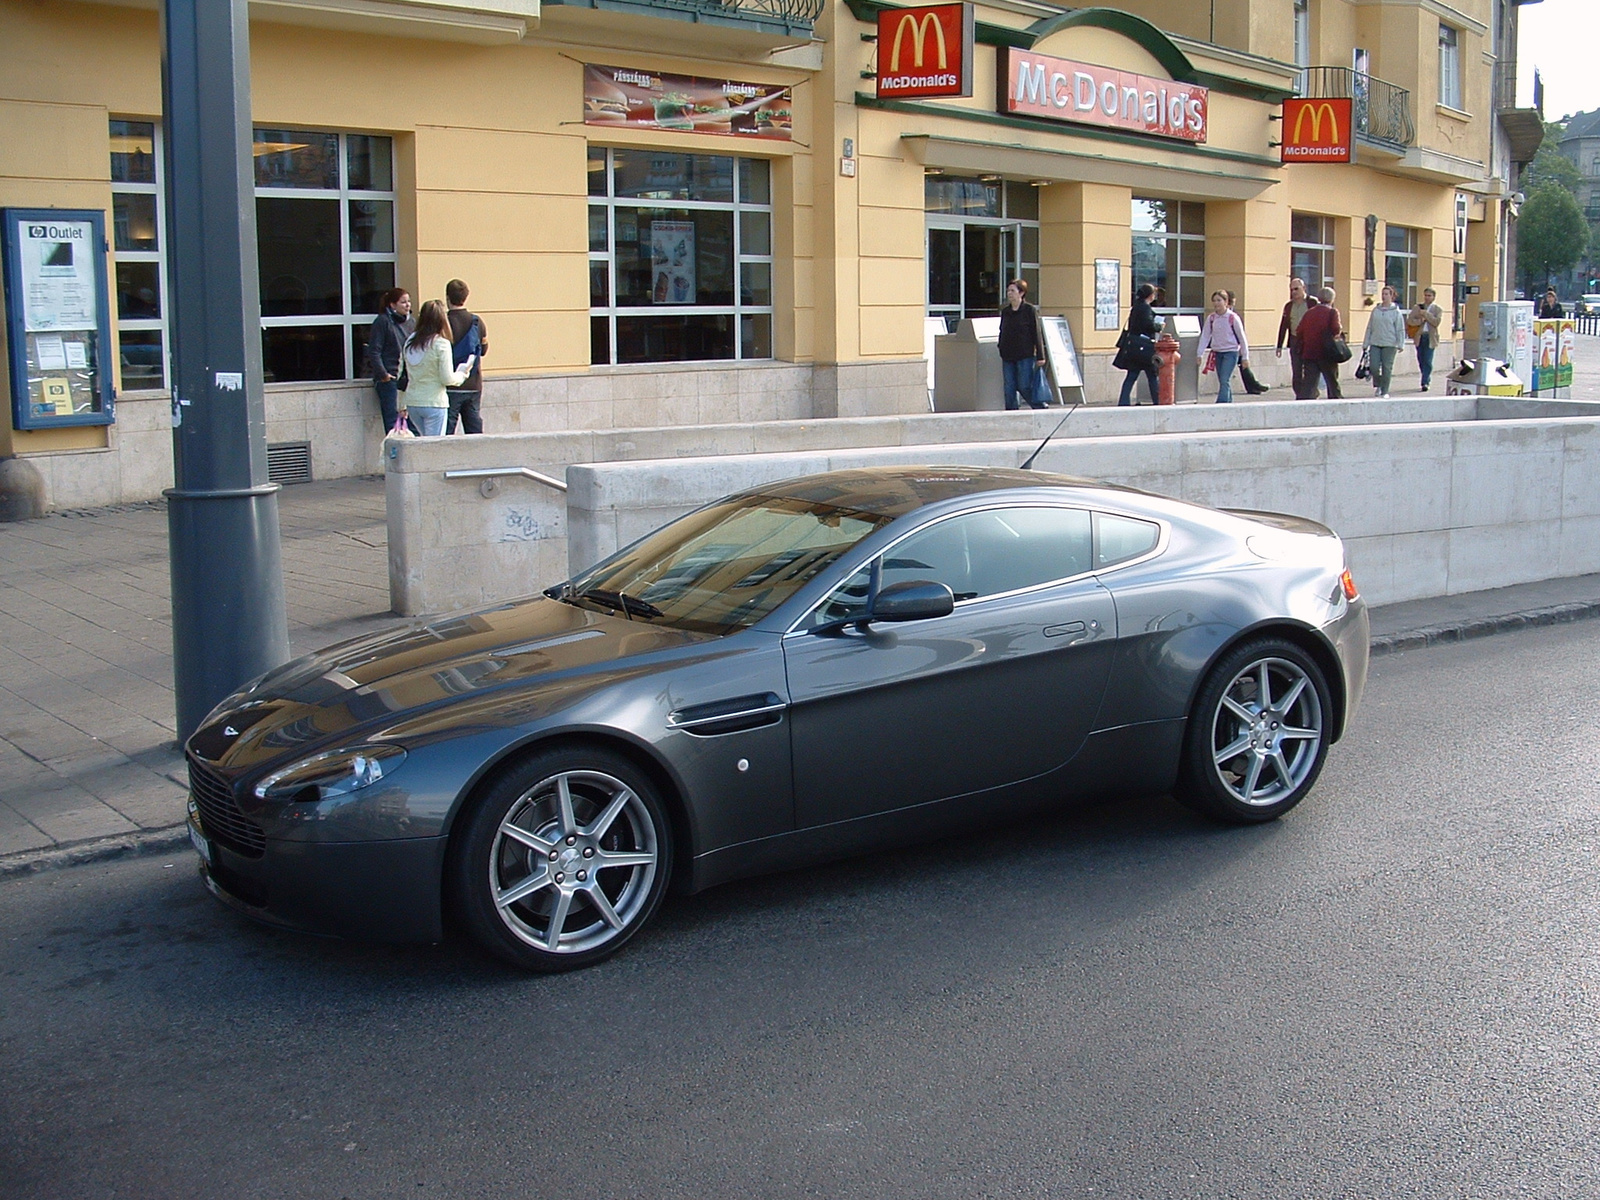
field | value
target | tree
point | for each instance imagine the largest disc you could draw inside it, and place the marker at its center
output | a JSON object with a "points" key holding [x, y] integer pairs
{"points": [[1551, 234], [1549, 165]]}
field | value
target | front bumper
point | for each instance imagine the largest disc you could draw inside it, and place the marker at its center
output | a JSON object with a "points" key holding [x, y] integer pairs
{"points": [[387, 891]]}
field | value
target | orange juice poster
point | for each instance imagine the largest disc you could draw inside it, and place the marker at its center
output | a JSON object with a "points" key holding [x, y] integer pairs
{"points": [[1553, 341]]}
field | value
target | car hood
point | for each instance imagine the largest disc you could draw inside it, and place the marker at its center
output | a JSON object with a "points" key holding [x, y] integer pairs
{"points": [[374, 681]]}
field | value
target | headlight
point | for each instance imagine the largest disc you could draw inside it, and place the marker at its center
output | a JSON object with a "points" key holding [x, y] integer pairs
{"points": [[332, 773]]}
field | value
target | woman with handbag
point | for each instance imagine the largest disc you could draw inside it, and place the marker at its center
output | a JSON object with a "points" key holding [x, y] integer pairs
{"points": [[1136, 348], [1322, 345], [429, 365], [1223, 335], [1386, 333]]}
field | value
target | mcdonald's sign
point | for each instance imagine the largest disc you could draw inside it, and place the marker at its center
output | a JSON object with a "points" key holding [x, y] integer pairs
{"points": [[925, 51], [1317, 130]]}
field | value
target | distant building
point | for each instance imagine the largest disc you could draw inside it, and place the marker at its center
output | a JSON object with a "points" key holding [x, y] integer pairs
{"points": [[1580, 145]]}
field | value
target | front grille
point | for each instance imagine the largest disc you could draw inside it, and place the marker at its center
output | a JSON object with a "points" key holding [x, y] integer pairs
{"points": [[220, 818]]}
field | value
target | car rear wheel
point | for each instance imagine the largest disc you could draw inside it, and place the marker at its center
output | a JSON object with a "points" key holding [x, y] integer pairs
{"points": [[562, 860], [1258, 735]]}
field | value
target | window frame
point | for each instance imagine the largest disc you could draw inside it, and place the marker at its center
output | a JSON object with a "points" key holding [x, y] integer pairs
{"points": [[348, 320], [1450, 67], [1410, 260], [1326, 250], [158, 189], [1175, 291], [802, 627], [609, 202]]}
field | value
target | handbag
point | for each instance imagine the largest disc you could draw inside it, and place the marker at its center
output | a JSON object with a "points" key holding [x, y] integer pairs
{"points": [[1043, 391], [1339, 349], [1364, 367], [401, 429]]}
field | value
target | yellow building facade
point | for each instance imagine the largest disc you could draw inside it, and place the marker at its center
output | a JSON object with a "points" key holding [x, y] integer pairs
{"points": [[407, 142]]}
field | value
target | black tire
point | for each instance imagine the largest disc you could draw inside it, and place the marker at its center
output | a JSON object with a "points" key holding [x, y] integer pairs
{"points": [[1278, 750], [517, 864]]}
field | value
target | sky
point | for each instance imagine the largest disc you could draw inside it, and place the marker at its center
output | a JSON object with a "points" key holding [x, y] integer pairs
{"points": [[1561, 38]]}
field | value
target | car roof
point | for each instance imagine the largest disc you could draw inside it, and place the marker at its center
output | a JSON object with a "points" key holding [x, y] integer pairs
{"points": [[891, 492]]}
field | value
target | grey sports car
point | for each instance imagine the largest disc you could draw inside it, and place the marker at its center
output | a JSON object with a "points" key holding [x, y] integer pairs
{"points": [[798, 672]]}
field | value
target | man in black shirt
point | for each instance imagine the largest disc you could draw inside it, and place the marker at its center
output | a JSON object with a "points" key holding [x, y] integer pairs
{"points": [[1550, 309], [467, 336], [1021, 346]]}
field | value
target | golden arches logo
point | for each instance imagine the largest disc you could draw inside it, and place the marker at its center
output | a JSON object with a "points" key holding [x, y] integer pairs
{"points": [[919, 36], [1316, 112]]}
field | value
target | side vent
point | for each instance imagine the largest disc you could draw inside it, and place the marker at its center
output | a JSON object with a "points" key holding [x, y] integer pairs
{"points": [[289, 462]]}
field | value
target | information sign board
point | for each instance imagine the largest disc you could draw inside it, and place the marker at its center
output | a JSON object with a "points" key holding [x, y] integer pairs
{"points": [[58, 316]]}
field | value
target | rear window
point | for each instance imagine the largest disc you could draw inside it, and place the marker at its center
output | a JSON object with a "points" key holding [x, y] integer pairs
{"points": [[1118, 539]]}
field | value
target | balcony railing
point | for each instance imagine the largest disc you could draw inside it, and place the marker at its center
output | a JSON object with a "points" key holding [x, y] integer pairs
{"points": [[793, 15], [1381, 111]]}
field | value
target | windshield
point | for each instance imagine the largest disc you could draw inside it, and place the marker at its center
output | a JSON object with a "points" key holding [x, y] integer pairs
{"points": [[725, 567]]}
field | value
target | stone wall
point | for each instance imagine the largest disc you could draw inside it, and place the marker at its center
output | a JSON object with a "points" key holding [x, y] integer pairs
{"points": [[448, 539]]}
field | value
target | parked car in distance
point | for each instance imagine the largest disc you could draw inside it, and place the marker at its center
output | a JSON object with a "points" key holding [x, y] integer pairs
{"points": [[1586, 305], [802, 671]]}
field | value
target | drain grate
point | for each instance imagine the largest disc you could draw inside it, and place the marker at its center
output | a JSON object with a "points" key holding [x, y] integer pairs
{"points": [[289, 462]]}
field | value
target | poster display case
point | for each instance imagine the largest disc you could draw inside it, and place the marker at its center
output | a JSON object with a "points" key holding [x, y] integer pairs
{"points": [[58, 317]]}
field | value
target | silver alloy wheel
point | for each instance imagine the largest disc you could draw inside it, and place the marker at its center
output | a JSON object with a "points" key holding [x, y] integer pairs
{"points": [[573, 861], [1266, 732]]}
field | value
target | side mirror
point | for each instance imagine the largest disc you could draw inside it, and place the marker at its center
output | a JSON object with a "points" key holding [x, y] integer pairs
{"points": [[913, 600]]}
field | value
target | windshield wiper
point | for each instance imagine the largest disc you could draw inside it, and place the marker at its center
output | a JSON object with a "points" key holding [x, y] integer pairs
{"points": [[631, 605]]}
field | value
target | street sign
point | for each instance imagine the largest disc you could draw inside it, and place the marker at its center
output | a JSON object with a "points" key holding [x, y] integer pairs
{"points": [[1317, 130]]}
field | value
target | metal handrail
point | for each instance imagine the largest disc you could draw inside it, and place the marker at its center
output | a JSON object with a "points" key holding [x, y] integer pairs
{"points": [[1381, 110], [495, 472]]}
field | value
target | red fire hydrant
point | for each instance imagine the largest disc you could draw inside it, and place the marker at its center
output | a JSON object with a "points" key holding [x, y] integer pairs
{"points": [[1167, 352]]}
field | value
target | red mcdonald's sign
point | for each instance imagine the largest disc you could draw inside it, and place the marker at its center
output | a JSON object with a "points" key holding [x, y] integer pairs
{"points": [[925, 51], [1317, 130]]}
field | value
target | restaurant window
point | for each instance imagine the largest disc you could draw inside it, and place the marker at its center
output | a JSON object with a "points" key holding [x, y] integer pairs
{"points": [[1449, 67], [981, 233], [138, 239], [1169, 251], [326, 249], [1311, 250], [680, 256], [1400, 263]]}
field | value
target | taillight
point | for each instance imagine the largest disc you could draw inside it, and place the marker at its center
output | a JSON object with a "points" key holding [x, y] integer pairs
{"points": [[1348, 584]]}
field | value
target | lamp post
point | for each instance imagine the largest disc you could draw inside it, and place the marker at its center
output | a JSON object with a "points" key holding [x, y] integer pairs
{"points": [[228, 621]]}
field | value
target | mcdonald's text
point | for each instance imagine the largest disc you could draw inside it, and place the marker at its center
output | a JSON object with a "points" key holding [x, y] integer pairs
{"points": [[1317, 130], [925, 51]]}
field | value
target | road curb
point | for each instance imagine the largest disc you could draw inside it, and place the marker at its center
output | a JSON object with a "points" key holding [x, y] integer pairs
{"points": [[1466, 631], [122, 845], [172, 837]]}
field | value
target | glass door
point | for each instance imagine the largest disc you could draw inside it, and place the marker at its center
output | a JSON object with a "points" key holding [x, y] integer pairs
{"points": [[969, 265]]}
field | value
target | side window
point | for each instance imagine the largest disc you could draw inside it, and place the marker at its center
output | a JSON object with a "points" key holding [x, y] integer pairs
{"points": [[1122, 538], [1000, 550]]}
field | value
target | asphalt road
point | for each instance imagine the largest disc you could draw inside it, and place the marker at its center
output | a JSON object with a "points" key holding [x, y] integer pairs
{"points": [[1392, 992]]}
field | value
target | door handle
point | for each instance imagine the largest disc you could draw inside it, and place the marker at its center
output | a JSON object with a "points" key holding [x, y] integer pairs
{"points": [[1070, 627]]}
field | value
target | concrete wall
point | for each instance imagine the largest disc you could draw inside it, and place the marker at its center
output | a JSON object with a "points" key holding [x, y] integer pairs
{"points": [[452, 546], [1428, 509]]}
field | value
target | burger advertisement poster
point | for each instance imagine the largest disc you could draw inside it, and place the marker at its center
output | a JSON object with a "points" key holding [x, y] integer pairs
{"points": [[634, 99]]}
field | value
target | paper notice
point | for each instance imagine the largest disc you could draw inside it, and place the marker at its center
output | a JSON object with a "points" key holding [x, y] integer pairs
{"points": [[52, 353], [58, 396], [77, 356]]}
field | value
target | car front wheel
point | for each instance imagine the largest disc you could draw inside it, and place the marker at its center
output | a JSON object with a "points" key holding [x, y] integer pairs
{"points": [[1258, 735], [562, 860]]}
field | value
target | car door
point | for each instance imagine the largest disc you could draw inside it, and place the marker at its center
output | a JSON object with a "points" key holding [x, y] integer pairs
{"points": [[1004, 688]]}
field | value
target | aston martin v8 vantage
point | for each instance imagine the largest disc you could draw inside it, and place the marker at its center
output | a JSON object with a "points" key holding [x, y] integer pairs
{"points": [[798, 672]]}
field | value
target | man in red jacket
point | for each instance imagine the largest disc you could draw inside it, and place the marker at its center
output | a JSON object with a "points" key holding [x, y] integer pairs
{"points": [[1318, 328]]}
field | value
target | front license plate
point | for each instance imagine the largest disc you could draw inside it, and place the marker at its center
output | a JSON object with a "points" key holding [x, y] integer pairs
{"points": [[201, 845]]}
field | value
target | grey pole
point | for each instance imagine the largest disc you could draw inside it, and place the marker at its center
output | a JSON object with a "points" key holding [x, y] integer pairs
{"points": [[228, 620]]}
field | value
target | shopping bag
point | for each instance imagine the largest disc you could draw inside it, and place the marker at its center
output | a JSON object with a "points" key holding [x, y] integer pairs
{"points": [[401, 429], [1364, 367]]}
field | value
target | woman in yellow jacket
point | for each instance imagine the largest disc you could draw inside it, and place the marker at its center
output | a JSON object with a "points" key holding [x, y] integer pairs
{"points": [[430, 368]]}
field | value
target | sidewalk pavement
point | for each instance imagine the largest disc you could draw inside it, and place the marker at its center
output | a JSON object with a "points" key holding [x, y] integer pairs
{"points": [[89, 767]]}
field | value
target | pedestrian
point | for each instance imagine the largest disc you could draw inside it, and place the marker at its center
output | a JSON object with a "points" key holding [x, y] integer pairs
{"points": [[1550, 308], [1423, 324], [1223, 335], [1021, 346], [430, 370], [390, 329], [1289, 334], [1386, 333], [468, 336], [1142, 323], [1319, 329], [1252, 385]]}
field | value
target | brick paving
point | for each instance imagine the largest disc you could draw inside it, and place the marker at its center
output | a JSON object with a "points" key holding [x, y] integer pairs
{"points": [[87, 723]]}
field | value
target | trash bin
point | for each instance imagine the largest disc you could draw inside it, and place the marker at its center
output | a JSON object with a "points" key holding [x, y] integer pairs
{"points": [[966, 367], [1482, 377], [1186, 328]]}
